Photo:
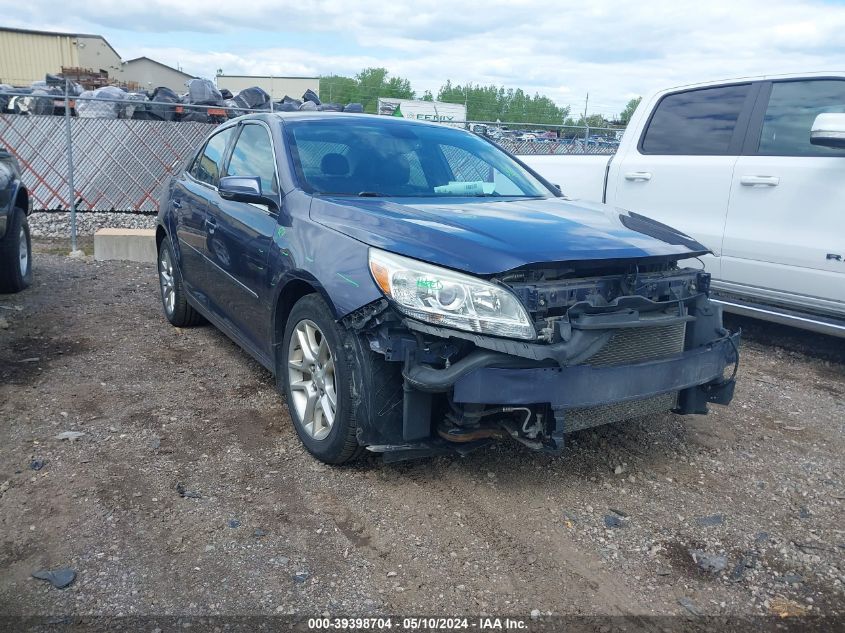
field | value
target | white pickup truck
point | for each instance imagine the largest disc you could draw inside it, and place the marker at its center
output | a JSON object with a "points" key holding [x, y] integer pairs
{"points": [[752, 168]]}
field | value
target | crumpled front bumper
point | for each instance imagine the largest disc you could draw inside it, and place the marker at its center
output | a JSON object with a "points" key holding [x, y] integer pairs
{"points": [[586, 386]]}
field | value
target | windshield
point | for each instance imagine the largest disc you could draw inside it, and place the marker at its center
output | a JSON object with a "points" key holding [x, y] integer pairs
{"points": [[389, 157]]}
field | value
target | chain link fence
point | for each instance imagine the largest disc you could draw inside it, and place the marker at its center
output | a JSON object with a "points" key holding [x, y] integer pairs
{"points": [[120, 156]]}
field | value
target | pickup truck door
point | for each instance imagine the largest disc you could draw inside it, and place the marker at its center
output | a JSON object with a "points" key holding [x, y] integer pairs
{"points": [[786, 213], [679, 171], [239, 238]]}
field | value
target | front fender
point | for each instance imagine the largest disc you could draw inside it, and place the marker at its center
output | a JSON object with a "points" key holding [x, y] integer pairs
{"points": [[336, 265]]}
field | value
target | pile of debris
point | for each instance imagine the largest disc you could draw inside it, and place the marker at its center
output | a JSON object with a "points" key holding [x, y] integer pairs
{"points": [[202, 103]]}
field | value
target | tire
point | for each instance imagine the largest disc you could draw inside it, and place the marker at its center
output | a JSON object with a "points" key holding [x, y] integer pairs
{"points": [[174, 301], [16, 254], [355, 370]]}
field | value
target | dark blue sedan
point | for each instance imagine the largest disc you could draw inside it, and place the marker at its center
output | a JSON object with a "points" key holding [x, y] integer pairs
{"points": [[417, 290]]}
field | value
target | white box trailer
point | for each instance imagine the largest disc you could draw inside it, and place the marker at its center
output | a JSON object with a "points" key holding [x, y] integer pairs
{"points": [[419, 110]]}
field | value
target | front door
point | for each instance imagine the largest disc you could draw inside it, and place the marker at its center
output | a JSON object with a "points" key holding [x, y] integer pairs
{"points": [[786, 210], [239, 239]]}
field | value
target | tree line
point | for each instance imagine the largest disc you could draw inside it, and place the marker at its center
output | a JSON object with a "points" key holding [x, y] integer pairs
{"points": [[483, 103]]}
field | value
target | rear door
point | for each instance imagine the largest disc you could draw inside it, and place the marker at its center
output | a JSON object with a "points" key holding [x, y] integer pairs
{"points": [[680, 170], [784, 241], [189, 198], [239, 236]]}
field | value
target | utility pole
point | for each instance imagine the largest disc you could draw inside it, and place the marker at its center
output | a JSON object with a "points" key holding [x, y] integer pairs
{"points": [[586, 125]]}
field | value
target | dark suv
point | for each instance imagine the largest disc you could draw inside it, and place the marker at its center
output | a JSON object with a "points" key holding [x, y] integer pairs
{"points": [[415, 289], [15, 245]]}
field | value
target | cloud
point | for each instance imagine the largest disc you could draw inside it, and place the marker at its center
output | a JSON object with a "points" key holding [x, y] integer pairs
{"points": [[614, 50]]}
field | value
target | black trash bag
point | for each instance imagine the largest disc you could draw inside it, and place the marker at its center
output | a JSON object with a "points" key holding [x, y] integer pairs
{"points": [[226, 94], [353, 107], [161, 109], [5, 96], [232, 109], [17, 103], [296, 102], [195, 116], [311, 96], [253, 98], [135, 102], [203, 91], [281, 106], [102, 103], [330, 107], [40, 100]]}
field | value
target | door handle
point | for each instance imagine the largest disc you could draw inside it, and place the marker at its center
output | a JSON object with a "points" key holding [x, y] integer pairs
{"points": [[210, 225], [177, 204], [638, 175], [759, 181]]}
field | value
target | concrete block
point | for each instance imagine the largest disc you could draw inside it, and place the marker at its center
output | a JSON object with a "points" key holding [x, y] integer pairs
{"points": [[134, 245]]}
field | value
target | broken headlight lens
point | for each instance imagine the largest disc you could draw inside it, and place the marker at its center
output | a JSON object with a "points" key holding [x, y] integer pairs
{"points": [[449, 299]]}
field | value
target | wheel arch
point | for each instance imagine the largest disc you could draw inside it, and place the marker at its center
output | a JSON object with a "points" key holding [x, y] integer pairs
{"points": [[22, 199], [291, 292]]}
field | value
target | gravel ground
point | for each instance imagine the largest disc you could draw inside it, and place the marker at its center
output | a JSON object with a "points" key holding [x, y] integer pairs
{"points": [[57, 224], [737, 513]]}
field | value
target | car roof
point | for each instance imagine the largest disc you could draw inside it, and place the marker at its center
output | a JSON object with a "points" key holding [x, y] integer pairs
{"points": [[312, 115]]}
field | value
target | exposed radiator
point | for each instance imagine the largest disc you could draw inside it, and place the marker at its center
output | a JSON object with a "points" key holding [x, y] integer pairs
{"points": [[631, 345], [577, 419]]}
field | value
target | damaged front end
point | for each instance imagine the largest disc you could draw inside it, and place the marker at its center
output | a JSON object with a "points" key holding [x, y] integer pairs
{"points": [[610, 341]]}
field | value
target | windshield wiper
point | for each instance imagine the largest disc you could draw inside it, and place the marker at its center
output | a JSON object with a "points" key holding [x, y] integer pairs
{"points": [[370, 194]]}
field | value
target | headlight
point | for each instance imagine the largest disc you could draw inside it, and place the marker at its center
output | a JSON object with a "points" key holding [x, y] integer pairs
{"points": [[444, 297]]}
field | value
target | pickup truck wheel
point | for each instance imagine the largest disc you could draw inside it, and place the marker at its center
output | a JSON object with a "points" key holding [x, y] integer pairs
{"points": [[315, 370], [176, 307], [16, 254]]}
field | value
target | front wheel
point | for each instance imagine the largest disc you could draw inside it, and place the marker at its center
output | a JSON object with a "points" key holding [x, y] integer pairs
{"points": [[316, 374]]}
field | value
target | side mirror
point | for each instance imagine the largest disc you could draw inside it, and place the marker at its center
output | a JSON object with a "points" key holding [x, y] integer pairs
{"points": [[829, 130], [244, 189]]}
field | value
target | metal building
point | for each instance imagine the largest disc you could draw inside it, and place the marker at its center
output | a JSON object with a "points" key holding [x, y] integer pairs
{"points": [[150, 74], [27, 55], [276, 87]]}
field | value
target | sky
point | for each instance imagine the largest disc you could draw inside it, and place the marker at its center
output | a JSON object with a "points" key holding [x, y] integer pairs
{"points": [[613, 50]]}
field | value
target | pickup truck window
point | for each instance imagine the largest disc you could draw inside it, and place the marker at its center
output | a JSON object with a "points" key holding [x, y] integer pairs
{"points": [[695, 122], [793, 106], [391, 158]]}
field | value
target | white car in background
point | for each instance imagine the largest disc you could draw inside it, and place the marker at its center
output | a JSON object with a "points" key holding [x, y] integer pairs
{"points": [[754, 169]]}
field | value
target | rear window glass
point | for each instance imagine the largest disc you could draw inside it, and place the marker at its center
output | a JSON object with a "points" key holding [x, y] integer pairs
{"points": [[696, 122]]}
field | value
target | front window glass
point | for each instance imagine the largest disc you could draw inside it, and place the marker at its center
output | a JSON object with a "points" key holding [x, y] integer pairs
{"points": [[253, 156], [377, 157], [793, 106]]}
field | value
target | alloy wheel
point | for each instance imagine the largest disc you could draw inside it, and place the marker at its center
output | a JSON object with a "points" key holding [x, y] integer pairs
{"points": [[165, 273], [311, 376], [23, 251]]}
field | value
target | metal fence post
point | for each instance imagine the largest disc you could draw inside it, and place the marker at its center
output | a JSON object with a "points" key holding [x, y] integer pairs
{"points": [[70, 168]]}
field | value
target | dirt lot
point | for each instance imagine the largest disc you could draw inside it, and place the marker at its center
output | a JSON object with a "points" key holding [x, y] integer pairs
{"points": [[502, 531]]}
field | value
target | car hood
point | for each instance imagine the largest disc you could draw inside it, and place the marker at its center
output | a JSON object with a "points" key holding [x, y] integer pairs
{"points": [[484, 236]]}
